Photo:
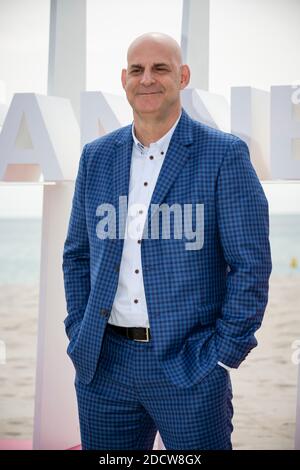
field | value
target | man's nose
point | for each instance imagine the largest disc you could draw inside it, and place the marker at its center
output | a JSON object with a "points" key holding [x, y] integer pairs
{"points": [[147, 78]]}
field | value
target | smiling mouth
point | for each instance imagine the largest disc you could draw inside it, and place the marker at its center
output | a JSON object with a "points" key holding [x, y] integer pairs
{"points": [[152, 93]]}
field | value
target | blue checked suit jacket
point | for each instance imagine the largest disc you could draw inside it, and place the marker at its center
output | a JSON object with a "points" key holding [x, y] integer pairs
{"points": [[204, 305]]}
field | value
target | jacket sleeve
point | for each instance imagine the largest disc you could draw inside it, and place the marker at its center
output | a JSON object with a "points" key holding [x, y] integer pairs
{"points": [[76, 256], [243, 224]]}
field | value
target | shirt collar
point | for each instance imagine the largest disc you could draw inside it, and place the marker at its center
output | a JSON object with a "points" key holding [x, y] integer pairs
{"points": [[161, 144]]}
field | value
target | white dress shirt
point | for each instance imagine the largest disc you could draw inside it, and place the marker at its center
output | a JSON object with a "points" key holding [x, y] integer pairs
{"points": [[130, 307]]}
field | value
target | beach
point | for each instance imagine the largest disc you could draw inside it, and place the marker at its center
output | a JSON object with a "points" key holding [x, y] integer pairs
{"points": [[264, 386]]}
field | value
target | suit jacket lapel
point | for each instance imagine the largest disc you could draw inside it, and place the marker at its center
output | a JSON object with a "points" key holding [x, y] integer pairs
{"points": [[121, 174], [174, 160]]}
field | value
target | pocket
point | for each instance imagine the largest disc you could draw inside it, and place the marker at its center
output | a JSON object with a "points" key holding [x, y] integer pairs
{"points": [[74, 335], [223, 368], [71, 345]]}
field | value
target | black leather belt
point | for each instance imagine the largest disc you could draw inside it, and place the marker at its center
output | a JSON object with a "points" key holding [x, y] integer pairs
{"points": [[136, 333]]}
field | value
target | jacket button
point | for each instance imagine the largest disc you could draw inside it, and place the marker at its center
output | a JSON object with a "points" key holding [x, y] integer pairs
{"points": [[104, 312]]}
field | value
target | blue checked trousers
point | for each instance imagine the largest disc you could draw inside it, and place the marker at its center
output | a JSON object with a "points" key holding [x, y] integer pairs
{"points": [[130, 399]]}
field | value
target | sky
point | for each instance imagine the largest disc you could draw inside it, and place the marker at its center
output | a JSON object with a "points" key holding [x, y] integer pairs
{"points": [[24, 41]]}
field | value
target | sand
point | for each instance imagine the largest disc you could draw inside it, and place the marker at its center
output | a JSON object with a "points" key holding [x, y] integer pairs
{"points": [[264, 386]]}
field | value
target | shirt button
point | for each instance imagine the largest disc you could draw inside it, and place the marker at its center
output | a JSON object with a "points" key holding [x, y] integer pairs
{"points": [[145, 183], [104, 312], [151, 157], [140, 211], [135, 301], [162, 153], [139, 241], [136, 271]]}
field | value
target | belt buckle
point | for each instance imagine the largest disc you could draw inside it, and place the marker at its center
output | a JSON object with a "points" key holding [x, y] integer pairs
{"points": [[144, 340]]}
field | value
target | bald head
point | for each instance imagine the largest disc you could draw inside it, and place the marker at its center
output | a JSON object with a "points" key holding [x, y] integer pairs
{"points": [[161, 40]]}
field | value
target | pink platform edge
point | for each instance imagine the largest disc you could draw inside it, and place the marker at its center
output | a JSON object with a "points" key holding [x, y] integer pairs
{"points": [[17, 444]]}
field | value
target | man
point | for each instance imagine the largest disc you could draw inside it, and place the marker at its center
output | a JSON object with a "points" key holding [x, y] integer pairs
{"points": [[156, 322]]}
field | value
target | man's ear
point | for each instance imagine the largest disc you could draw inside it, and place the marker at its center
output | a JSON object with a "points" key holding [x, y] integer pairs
{"points": [[123, 77], [185, 76]]}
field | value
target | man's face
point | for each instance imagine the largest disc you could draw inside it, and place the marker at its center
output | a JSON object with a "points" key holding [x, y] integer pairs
{"points": [[153, 79]]}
